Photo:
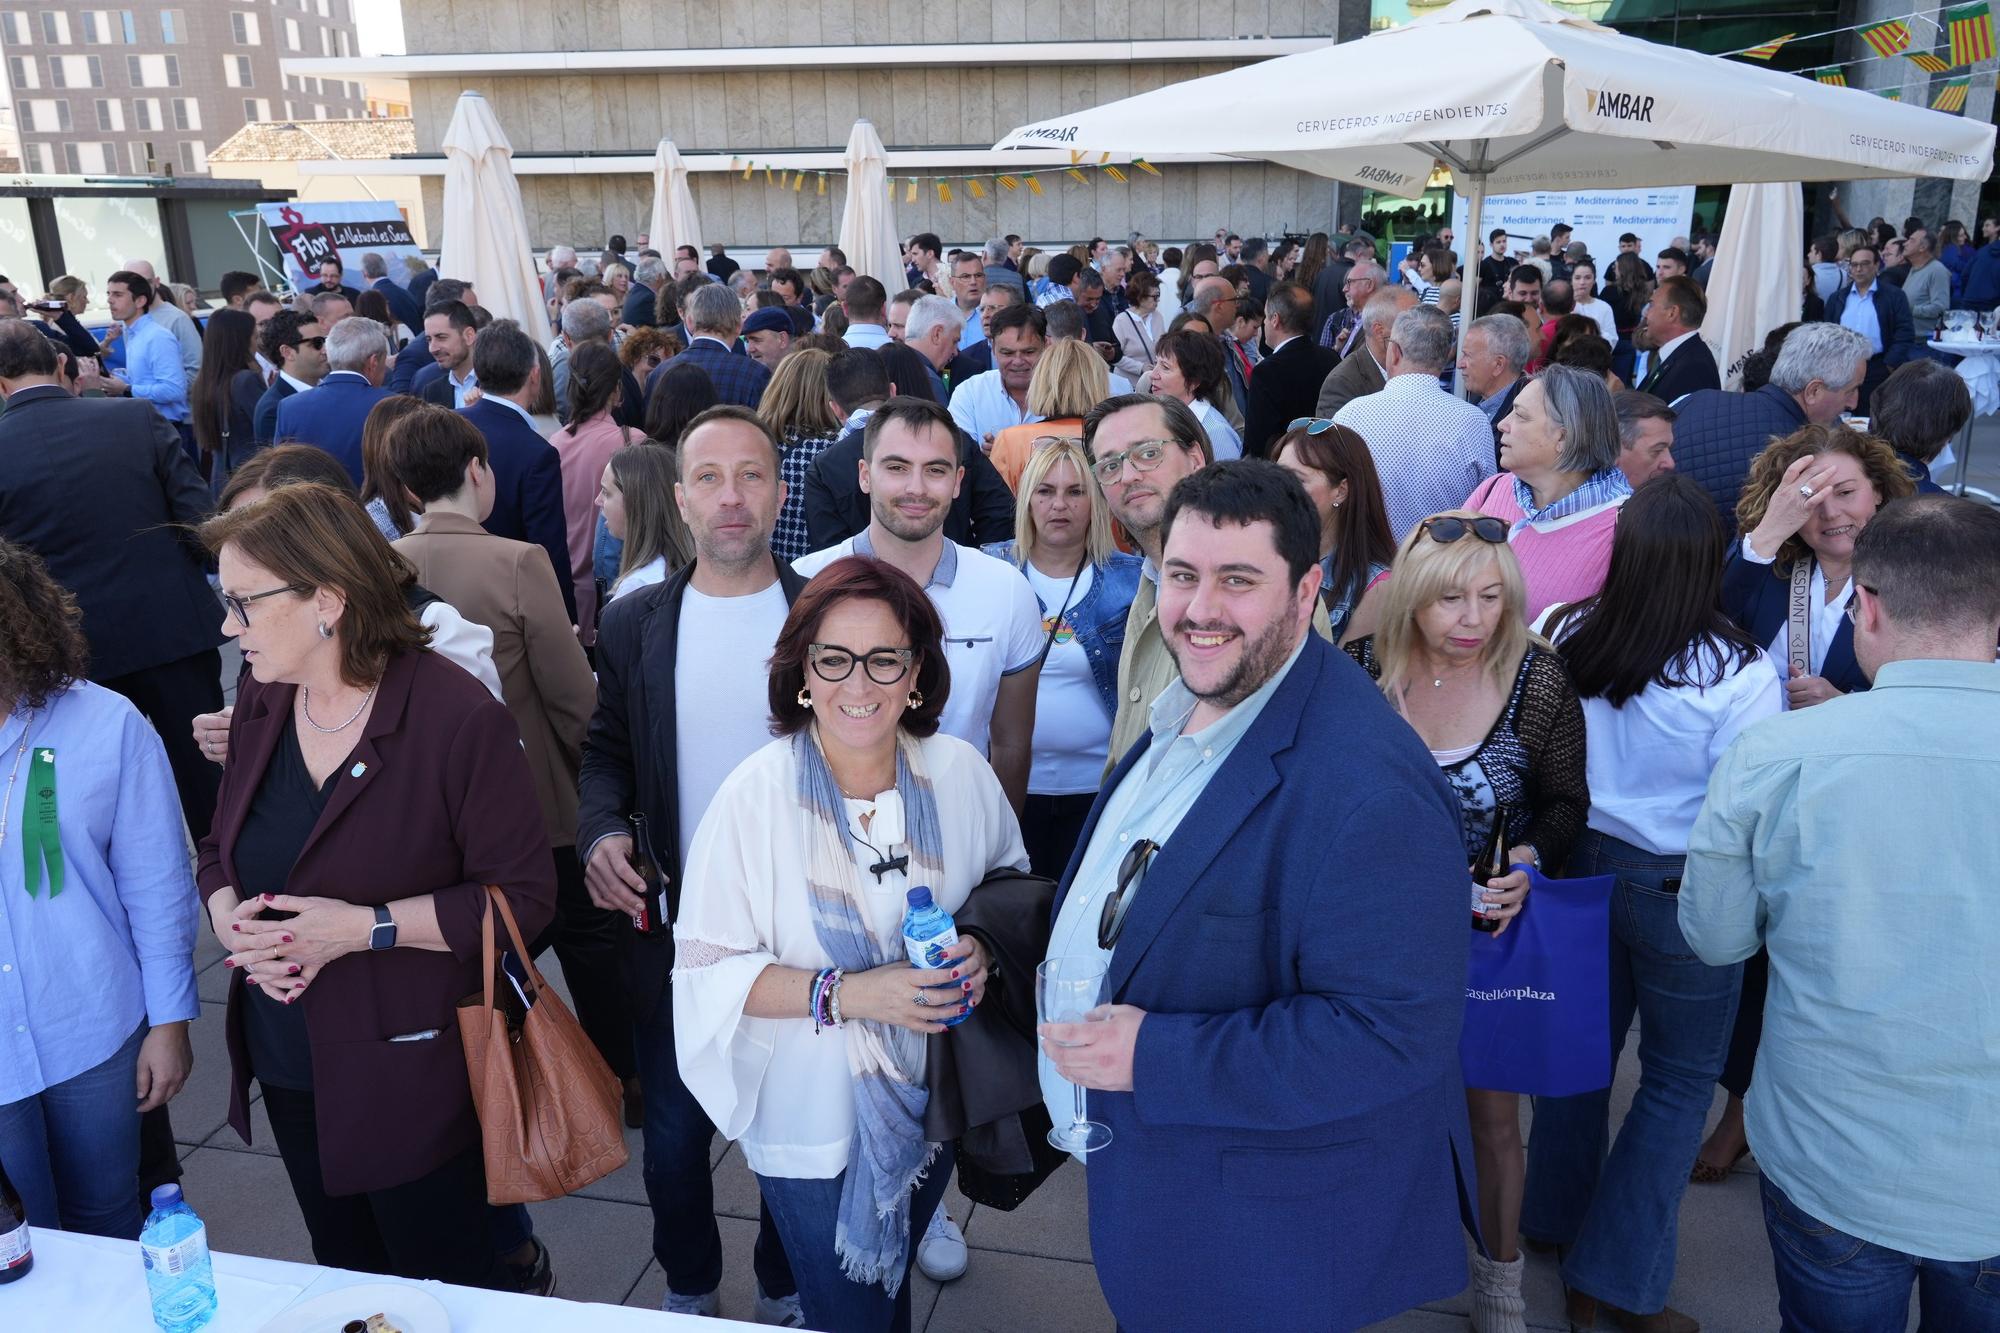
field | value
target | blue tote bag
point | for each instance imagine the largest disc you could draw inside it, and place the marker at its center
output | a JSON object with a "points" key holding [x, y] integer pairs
{"points": [[1538, 997]]}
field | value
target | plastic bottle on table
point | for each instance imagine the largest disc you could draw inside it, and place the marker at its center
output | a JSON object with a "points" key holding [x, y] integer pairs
{"points": [[179, 1276]]}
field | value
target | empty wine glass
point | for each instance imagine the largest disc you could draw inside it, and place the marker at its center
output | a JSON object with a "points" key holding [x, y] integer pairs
{"points": [[1067, 989]]}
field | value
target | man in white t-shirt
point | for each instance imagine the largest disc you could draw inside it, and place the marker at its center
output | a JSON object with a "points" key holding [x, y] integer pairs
{"points": [[662, 751], [992, 624]]}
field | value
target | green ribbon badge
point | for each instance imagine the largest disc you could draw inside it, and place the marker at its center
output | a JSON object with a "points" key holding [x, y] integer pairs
{"points": [[42, 840]]}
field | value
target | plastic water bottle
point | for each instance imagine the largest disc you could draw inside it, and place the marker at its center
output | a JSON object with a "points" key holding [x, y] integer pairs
{"points": [[927, 932], [179, 1275]]}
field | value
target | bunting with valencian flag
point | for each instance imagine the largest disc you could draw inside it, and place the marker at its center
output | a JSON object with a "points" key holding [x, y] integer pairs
{"points": [[1768, 49], [1951, 97], [1831, 75], [1971, 30], [1886, 39], [1927, 62]]}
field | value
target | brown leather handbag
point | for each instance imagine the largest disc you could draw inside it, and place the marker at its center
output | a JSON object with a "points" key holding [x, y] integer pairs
{"points": [[549, 1107]]}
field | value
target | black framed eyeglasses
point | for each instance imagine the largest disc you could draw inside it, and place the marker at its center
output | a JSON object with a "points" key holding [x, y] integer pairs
{"points": [[885, 666], [240, 606], [1111, 921], [1445, 531], [1144, 457]]}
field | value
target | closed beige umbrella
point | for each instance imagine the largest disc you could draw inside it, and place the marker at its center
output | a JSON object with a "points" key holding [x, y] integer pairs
{"points": [[485, 224], [674, 223], [1757, 281], [868, 223]]}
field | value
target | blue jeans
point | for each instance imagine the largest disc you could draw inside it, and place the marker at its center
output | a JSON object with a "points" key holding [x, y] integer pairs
{"points": [[1618, 1213], [72, 1150], [1831, 1282], [680, 1184], [805, 1211]]}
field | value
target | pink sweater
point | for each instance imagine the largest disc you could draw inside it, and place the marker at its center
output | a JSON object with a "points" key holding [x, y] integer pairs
{"points": [[1563, 560], [584, 450]]}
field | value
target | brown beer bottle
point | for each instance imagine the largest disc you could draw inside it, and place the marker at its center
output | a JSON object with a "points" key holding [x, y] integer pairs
{"points": [[1492, 864], [651, 918], [16, 1255]]}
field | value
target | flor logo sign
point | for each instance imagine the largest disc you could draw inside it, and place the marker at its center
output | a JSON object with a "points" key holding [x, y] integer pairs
{"points": [[1619, 106]]}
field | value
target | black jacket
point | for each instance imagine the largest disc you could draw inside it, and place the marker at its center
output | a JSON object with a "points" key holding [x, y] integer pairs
{"points": [[641, 304], [1691, 367], [629, 752], [1283, 386], [101, 489], [837, 508]]}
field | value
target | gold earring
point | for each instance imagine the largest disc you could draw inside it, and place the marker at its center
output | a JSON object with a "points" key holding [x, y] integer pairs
{"points": [[805, 698], [915, 701]]}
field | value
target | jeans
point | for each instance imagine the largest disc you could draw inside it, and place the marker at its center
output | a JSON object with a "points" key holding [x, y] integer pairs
{"points": [[1619, 1213], [806, 1211], [1831, 1282], [680, 1184], [72, 1150]]}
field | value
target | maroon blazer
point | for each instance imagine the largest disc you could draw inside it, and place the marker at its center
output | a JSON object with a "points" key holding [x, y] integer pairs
{"points": [[436, 798]]}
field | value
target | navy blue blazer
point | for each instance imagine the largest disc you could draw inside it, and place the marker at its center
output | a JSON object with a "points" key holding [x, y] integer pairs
{"points": [[1295, 1152], [416, 355], [527, 477], [1757, 597], [401, 304], [331, 415], [1892, 317], [264, 422], [737, 378], [641, 306]]}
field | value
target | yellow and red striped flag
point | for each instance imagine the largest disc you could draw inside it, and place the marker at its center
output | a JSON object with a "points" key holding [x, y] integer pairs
{"points": [[974, 188], [910, 195], [1927, 62], [1951, 97], [1971, 29], [1007, 182], [1145, 166], [1115, 174], [1076, 175], [944, 192], [1885, 39], [1831, 75], [1893, 94], [1768, 49], [822, 182], [1034, 185]]}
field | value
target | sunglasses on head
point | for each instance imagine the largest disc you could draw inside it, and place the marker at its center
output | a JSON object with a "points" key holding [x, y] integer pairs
{"points": [[1311, 425], [1448, 530]]}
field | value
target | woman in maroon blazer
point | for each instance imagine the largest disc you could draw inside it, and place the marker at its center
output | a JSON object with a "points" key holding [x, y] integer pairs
{"points": [[373, 788]]}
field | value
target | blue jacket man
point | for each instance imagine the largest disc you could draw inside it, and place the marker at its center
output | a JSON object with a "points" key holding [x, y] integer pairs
{"points": [[333, 412], [527, 471], [713, 318], [1981, 288], [1894, 329], [1277, 1060], [401, 304]]}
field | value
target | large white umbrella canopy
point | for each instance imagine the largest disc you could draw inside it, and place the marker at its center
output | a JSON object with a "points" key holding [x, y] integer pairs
{"points": [[1757, 282], [485, 225], [868, 222], [674, 223]]}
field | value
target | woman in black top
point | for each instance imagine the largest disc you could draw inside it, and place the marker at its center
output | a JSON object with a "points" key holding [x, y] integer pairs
{"points": [[1495, 707], [222, 401]]}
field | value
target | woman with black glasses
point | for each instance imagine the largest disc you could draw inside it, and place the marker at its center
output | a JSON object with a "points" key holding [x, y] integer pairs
{"points": [[1456, 659], [798, 1025]]}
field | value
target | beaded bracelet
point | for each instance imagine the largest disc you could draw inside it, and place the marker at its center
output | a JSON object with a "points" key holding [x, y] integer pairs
{"points": [[816, 998], [833, 996]]}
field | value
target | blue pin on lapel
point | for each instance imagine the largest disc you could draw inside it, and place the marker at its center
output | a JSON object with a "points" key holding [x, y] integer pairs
{"points": [[357, 770]]}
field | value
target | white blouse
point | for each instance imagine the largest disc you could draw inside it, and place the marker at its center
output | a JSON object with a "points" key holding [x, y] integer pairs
{"points": [[773, 1084]]}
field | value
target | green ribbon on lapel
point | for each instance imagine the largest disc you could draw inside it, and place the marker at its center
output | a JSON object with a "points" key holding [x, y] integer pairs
{"points": [[41, 839]]}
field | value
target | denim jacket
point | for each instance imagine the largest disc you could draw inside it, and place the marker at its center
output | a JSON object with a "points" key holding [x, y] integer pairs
{"points": [[1099, 617]]}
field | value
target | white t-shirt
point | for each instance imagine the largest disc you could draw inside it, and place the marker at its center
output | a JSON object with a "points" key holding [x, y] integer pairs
{"points": [[724, 643], [992, 627], [1823, 619], [1607, 323], [1072, 730]]}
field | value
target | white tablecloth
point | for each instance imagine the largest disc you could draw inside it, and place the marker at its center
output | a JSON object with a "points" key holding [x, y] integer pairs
{"points": [[86, 1284], [1980, 369]]}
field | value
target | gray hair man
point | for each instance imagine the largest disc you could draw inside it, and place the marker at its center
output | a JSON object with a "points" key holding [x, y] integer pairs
{"points": [[1430, 448], [331, 413], [642, 303], [1497, 349], [999, 272], [713, 317], [1645, 436], [583, 320], [1717, 435], [933, 329], [1364, 279]]}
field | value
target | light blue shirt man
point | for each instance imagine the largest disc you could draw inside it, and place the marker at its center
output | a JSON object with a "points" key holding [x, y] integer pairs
{"points": [[1856, 841], [153, 368], [1150, 802], [1859, 314]]}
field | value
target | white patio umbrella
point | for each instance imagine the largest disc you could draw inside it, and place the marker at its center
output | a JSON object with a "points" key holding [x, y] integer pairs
{"points": [[1756, 283], [674, 222], [868, 222], [1516, 95], [485, 225]]}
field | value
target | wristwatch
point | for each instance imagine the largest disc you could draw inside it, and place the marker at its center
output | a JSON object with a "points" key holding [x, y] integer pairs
{"points": [[382, 935]]}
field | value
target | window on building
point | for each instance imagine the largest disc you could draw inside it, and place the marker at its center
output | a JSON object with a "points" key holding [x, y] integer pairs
{"points": [[319, 111], [46, 115], [256, 108], [236, 72], [312, 86], [291, 109], [96, 27], [14, 27], [341, 43], [291, 34], [38, 157], [193, 158], [173, 26], [324, 10], [110, 114], [146, 113], [76, 72], [244, 28], [55, 28], [326, 41], [187, 114], [173, 64], [144, 160], [73, 158], [23, 71], [129, 26]]}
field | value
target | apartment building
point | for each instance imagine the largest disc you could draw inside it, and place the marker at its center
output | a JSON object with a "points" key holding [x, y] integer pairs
{"points": [[149, 90]]}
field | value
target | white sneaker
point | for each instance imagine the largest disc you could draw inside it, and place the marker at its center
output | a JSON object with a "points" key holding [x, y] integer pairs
{"points": [[780, 1311], [708, 1305], [941, 1255]]}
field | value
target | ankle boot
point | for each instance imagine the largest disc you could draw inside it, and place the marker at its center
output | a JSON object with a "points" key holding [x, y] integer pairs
{"points": [[1497, 1305]]}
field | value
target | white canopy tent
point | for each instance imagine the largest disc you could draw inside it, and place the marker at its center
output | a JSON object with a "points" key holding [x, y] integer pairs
{"points": [[485, 237], [1514, 95], [868, 221], [674, 222]]}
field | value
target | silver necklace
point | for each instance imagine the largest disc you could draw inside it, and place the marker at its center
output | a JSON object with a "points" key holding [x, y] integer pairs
{"points": [[305, 707], [20, 751]]}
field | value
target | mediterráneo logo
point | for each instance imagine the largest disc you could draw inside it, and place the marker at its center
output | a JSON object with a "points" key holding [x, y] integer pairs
{"points": [[1509, 993]]}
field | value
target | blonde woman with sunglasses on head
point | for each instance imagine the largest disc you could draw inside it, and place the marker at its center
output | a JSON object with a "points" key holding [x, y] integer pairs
{"points": [[1492, 702]]}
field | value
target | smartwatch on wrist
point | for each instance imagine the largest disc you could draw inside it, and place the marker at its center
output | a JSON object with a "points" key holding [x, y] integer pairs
{"points": [[382, 935]]}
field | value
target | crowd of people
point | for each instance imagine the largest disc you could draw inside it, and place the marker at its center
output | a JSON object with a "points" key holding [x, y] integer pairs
{"points": [[1221, 617]]}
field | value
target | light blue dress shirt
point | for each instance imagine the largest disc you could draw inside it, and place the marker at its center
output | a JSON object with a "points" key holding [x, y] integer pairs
{"points": [[153, 369], [1152, 800], [81, 970], [1856, 841], [974, 332], [1859, 314]]}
